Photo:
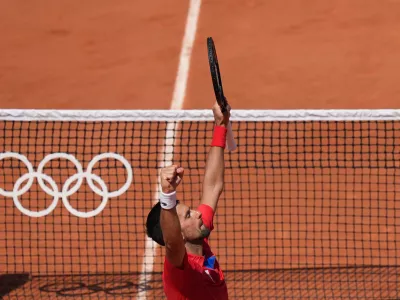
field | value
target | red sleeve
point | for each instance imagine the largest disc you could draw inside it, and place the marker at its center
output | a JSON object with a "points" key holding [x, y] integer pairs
{"points": [[207, 215], [174, 275]]}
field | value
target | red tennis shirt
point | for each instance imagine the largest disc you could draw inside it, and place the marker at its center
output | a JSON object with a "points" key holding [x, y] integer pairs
{"points": [[201, 277]]}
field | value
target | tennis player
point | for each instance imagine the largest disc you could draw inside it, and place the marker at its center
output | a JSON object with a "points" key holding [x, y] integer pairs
{"points": [[191, 270]]}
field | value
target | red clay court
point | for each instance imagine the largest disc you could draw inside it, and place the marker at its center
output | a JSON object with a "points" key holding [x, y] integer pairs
{"points": [[310, 209]]}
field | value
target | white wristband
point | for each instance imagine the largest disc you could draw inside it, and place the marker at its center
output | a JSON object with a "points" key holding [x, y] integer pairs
{"points": [[168, 201]]}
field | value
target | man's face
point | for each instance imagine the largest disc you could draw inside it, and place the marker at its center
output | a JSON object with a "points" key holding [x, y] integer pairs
{"points": [[192, 226]]}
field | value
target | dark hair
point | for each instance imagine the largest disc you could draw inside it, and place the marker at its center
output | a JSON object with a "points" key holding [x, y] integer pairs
{"points": [[153, 225]]}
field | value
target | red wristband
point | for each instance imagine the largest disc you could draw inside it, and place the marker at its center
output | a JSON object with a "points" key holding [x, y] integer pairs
{"points": [[219, 137]]}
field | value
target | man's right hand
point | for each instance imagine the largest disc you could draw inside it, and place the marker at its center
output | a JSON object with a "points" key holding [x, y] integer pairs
{"points": [[170, 178]]}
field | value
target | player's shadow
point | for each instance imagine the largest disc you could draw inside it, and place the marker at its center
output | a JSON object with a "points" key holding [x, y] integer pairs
{"points": [[11, 282]]}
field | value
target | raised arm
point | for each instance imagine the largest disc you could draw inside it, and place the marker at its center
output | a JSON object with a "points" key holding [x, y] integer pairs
{"points": [[170, 177], [213, 183]]}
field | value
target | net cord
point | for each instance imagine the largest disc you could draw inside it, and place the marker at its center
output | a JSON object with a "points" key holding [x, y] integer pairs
{"points": [[199, 115]]}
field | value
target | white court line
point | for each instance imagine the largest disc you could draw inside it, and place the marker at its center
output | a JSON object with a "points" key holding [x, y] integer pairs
{"points": [[186, 53], [176, 104]]}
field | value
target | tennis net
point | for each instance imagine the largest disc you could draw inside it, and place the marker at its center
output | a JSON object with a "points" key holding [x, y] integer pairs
{"points": [[310, 208]]}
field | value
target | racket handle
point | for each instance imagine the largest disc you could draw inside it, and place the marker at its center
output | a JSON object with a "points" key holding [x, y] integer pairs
{"points": [[230, 139]]}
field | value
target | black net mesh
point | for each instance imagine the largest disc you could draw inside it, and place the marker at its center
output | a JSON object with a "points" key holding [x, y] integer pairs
{"points": [[310, 209]]}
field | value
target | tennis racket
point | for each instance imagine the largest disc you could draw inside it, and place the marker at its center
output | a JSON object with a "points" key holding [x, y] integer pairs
{"points": [[218, 90]]}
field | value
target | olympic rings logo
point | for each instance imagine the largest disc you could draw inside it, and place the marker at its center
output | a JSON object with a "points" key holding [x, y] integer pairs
{"points": [[76, 288], [66, 190]]}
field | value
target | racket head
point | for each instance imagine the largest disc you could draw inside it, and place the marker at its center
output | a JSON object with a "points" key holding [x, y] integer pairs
{"points": [[216, 75]]}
